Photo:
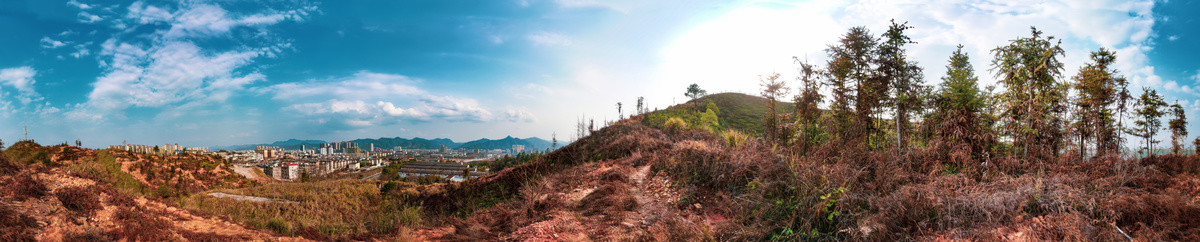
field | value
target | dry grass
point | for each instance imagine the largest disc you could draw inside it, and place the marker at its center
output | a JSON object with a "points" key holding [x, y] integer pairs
{"points": [[841, 192], [15, 226], [138, 224], [23, 187], [83, 200], [339, 208]]}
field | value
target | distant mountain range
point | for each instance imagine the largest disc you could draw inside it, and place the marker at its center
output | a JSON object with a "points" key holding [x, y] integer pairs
{"points": [[532, 143]]}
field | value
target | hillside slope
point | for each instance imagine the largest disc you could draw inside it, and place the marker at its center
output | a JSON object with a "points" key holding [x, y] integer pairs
{"points": [[531, 144], [737, 110], [629, 181], [68, 193]]}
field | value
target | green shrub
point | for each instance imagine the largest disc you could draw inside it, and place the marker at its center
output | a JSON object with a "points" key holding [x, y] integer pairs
{"points": [[278, 226], [734, 138], [410, 216], [675, 124], [106, 170]]}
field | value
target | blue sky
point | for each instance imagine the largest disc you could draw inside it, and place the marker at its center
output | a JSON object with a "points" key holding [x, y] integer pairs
{"points": [[207, 73]]}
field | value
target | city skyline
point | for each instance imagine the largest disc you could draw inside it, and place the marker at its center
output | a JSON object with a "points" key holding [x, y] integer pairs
{"points": [[217, 73]]}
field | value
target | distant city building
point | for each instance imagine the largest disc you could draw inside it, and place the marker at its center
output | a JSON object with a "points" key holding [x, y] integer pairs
{"points": [[442, 149], [267, 152], [283, 171], [516, 149], [340, 145], [133, 148]]}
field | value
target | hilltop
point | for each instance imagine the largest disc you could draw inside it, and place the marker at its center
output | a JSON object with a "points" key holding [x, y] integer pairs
{"points": [[531, 144], [69, 193], [630, 181], [737, 110]]}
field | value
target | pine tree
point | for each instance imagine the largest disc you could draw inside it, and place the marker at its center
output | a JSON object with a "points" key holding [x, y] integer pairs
{"points": [[807, 102], [1149, 110], [694, 92], [1029, 69], [1098, 86], [773, 89], [1178, 126], [641, 105], [905, 78], [620, 115], [850, 75], [959, 119], [1196, 145]]}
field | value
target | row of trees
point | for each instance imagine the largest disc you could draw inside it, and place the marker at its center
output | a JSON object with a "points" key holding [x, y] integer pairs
{"points": [[879, 100]]}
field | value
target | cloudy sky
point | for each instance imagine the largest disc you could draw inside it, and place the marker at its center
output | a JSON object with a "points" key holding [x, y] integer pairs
{"points": [[221, 72]]}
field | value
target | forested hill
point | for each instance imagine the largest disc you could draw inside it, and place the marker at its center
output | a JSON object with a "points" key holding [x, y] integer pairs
{"points": [[414, 143], [531, 144], [736, 110]]}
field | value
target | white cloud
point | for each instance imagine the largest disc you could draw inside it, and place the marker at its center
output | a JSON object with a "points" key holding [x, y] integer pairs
{"points": [[376, 97], [81, 50], [86, 17], [363, 84], [593, 4], [167, 73], [49, 43], [1173, 38], [548, 39], [196, 19], [512, 114], [167, 67], [20, 78], [82, 6]]}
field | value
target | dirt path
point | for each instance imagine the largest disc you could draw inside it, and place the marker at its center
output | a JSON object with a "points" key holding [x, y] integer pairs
{"points": [[247, 198], [250, 172]]}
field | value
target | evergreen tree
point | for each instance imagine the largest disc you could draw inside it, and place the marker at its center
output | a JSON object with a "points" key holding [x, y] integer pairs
{"points": [[620, 115], [849, 74], [641, 105], [1178, 126], [1149, 110], [694, 92], [1034, 101], [959, 120], [807, 102], [773, 89], [905, 78], [1098, 87], [1196, 145]]}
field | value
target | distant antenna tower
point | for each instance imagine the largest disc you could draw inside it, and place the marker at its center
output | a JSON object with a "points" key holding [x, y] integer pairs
{"points": [[26, 132]]}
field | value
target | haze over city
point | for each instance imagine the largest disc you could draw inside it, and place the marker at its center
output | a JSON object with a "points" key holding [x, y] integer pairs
{"points": [[214, 73]]}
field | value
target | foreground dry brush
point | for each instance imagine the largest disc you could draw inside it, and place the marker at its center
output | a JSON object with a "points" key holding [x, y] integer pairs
{"points": [[631, 181]]}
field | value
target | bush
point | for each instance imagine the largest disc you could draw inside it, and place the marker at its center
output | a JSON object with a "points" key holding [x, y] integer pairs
{"points": [[734, 138], [675, 124], [139, 225], [15, 226], [410, 216], [84, 200], [25, 187], [279, 226]]}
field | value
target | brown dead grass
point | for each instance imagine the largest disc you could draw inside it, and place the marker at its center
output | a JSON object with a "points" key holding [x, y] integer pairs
{"points": [[749, 191]]}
